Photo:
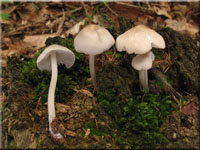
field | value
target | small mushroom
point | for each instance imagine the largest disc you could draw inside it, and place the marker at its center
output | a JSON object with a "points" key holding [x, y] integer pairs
{"points": [[48, 60], [140, 40], [142, 63], [93, 40]]}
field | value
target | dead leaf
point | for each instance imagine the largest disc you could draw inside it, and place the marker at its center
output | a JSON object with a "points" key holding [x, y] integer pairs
{"points": [[2, 97], [70, 133], [15, 45], [75, 29], [84, 91], [9, 9], [38, 41], [126, 9], [6, 53], [39, 16], [62, 108], [87, 133], [182, 10], [183, 26], [191, 109], [5, 22], [163, 12]]}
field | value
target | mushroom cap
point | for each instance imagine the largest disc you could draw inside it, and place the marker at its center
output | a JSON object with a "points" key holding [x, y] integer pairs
{"points": [[143, 61], [63, 55], [139, 40], [93, 40]]}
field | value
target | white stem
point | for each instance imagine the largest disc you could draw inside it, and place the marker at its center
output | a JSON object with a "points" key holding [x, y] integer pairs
{"points": [[51, 95], [92, 68], [143, 78], [52, 88], [146, 86]]}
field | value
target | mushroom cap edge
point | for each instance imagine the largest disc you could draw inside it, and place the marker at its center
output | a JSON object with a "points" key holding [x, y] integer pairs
{"points": [[63, 55]]}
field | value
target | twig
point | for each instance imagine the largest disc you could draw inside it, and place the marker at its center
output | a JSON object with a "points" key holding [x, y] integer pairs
{"points": [[180, 108], [86, 11], [71, 116], [134, 6], [112, 11], [167, 87], [96, 123], [61, 24], [38, 102]]}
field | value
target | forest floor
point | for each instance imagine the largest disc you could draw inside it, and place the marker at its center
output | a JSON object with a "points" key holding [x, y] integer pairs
{"points": [[118, 114]]}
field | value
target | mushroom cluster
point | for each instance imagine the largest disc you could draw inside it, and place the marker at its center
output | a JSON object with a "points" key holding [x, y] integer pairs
{"points": [[140, 40], [93, 40]]}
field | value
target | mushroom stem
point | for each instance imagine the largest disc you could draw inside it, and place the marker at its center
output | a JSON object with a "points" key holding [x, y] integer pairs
{"points": [[51, 95], [92, 68], [52, 88], [143, 78]]}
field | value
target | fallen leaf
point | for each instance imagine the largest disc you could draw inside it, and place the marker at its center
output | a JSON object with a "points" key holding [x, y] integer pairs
{"points": [[5, 21], [40, 16], [38, 41], [87, 133], [6, 53], [69, 133], [62, 108], [75, 29], [84, 91], [2, 97], [9, 9], [191, 109], [183, 26], [14, 45], [162, 12]]}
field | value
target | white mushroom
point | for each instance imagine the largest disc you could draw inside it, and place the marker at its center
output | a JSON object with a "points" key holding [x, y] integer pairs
{"points": [[142, 63], [140, 40], [93, 40], [48, 60]]}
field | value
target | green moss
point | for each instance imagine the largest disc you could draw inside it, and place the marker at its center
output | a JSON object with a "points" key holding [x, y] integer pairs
{"points": [[125, 24], [94, 131], [159, 54], [158, 82], [67, 78], [138, 120]]}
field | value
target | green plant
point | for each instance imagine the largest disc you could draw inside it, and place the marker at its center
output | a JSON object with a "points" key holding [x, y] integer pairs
{"points": [[5, 16], [139, 119], [92, 15], [144, 119], [94, 131], [67, 78]]}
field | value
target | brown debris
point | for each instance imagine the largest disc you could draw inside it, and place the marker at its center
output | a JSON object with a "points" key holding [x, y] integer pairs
{"points": [[191, 109]]}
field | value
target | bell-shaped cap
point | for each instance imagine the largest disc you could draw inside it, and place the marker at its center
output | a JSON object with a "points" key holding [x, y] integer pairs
{"points": [[143, 61], [139, 40], [63, 55], [93, 40]]}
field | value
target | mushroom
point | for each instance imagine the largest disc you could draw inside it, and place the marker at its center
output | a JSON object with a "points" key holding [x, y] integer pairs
{"points": [[140, 40], [48, 60], [93, 40], [142, 63]]}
